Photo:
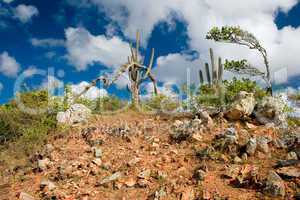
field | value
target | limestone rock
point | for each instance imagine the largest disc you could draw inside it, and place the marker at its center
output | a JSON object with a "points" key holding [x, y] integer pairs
{"points": [[47, 184], [243, 106], [251, 146], [25, 196], [262, 144], [271, 110], [77, 113], [275, 185]]}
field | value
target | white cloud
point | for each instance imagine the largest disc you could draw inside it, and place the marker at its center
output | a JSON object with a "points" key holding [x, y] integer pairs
{"points": [[7, 1], [25, 12], [175, 68], [255, 16], [47, 43], [92, 94], [8, 65], [85, 49], [52, 83]]}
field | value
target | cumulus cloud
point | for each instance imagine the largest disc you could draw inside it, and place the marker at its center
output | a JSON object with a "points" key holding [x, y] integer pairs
{"points": [[8, 65], [25, 12], [92, 94], [47, 43], [85, 49], [255, 16], [52, 83]]}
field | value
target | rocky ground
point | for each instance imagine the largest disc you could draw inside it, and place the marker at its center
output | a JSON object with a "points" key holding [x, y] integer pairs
{"points": [[133, 156]]}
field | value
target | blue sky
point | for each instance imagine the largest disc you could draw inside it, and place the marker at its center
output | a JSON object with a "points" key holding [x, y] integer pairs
{"points": [[85, 37]]}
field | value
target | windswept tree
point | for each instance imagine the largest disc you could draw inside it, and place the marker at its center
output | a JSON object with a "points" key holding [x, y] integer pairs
{"points": [[137, 73], [235, 35]]}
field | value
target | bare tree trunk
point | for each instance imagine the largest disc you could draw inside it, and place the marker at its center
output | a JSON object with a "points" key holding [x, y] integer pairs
{"points": [[269, 87], [135, 94]]}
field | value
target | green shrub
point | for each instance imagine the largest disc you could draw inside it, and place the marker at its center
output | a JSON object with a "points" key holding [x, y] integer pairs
{"points": [[209, 95], [225, 94], [161, 102], [234, 86], [293, 122], [24, 129], [109, 103]]}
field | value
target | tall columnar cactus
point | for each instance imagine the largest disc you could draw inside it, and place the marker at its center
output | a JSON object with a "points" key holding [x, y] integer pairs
{"points": [[216, 70]]}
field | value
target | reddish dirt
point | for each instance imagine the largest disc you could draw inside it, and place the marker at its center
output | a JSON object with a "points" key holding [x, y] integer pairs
{"points": [[150, 143]]}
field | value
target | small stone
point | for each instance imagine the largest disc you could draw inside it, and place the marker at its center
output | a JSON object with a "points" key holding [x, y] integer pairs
{"points": [[43, 164], [97, 161], [275, 185], [262, 144], [292, 156], [134, 161], [130, 182], [25, 196], [145, 174], [244, 157], [97, 152], [197, 137], [111, 178], [200, 174], [231, 135], [237, 160], [251, 146], [47, 184], [49, 148]]}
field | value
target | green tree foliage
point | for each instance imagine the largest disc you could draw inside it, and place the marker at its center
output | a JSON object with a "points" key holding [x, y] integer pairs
{"points": [[235, 35]]}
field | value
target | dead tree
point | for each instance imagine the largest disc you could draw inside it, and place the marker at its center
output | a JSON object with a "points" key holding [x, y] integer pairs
{"points": [[137, 73]]}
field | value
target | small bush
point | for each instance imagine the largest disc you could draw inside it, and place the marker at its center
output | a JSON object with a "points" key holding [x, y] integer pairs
{"points": [[161, 103], [225, 94], [109, 103], [26, 130], [234, 86]]}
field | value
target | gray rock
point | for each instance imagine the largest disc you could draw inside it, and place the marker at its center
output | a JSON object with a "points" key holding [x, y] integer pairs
{"points": [[275, 185], [207, 120], [25, 196], [237, 160], [145, 174], [97, 152], [289, 172], [271, 110], [251, 146], [242, 106], [47, 184], [77, 113], [43, 164], [292, 156], [262, 144], [49, 148], [111, 178], [231, 135], [200, 174]]}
